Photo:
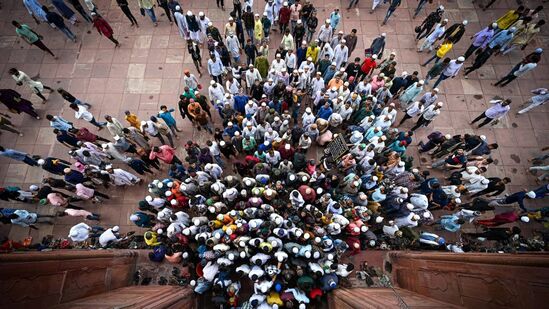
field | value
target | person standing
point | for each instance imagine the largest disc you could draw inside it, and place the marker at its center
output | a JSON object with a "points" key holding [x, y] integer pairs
{"points": [[523, 36], [59, 123], [37, 87], [455, 32], [428, 116], [81, 112], [520, 69], [104, 28], [165, 153], [166, 115], [215, 68], [392, 7], [480, 60], [451, 70], [6, 125], [65, 11], [499, 109], [31, 37], [433, 36], [123, 4], [80, 9], [429, 22], [57, 20], [442, 50], [35, 10], [481, 39], [16, 104], [114, 126], [18, 156], [164, 4], [194, 51], [146, 6], [541, 97]]}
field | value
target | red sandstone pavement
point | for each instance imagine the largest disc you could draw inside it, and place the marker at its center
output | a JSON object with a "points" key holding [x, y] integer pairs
{"points": [[146, 72]]}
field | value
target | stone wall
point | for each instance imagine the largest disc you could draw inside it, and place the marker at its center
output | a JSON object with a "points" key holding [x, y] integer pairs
{"points": [[475, 280], [44, 279]]}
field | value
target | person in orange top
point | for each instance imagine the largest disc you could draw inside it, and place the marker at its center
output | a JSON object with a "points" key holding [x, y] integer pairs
{"points": [[336, 82], [132, 119]]}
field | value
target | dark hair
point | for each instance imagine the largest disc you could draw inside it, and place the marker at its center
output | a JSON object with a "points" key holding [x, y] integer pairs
{"points": [[354, 30], [163, 106], [446, 60], [13, 71], [460, 221], [49, 117], [73, 106], [13, 22], [507, 179], [494, 146]]}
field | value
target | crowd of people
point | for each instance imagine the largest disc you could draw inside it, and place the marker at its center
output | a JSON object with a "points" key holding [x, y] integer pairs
{"points": [[260, 199]]}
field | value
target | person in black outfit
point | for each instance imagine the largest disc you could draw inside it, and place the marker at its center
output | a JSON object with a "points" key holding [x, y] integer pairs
{"points": [[481, 59], [164, 4], [454, 33], [497, 234], [80, 9], [429, 22], [194, 51], [123, 4], [251, 52]]}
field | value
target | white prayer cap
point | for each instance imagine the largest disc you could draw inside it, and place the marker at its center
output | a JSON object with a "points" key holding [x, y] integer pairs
{"points": [[379, 219], [134, 218], [177, 8], [200, 13], [440, 104], [461, 59], [421, 82], [189, 13], [212, 82], [327, 21], [374, 57], [465, 22], [531, 194], [384, 34], [525, 219]]}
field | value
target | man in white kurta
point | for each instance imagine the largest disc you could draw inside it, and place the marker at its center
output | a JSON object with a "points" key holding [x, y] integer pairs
{"points": [[341, 54], [122, 178], [181, 23]]}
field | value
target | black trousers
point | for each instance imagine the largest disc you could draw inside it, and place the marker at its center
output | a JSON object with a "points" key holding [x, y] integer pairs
{"points": [[43, 47], [167, 10], [486, 119], [126, 10]]}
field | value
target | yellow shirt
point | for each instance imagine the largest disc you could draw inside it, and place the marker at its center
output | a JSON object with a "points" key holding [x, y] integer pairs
{"points": [[153, 241], [258, 30], [507, 20], [313, 53], [133, 120], [444, 49]]}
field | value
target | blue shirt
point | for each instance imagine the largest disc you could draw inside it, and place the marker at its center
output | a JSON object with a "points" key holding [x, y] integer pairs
{"points": [[324, 112], [13, 154], [60, 124], [449, 223], [240, 103], [167, 117]]}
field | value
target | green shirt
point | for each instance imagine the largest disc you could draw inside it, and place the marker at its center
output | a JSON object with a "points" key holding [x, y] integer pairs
{"points": [[26, 33], [248, 145]]}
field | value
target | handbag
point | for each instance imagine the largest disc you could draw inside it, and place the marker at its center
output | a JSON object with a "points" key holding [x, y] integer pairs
{"points": [[142, 11]]}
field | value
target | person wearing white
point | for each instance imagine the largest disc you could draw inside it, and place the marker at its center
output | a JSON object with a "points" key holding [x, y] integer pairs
{"points": [[277, 65], [325, 33], [308, 64], [434, 36], [109, 236], [122, 178], [411, 220], [190, 80], [21, 78], [341, 54], [216, 92], [541, 97], [428, 115], [291, 61], [111, 150], [317, 83], [251, 76], [327, 50], [307, 118], [233, 45], [181, 22], [203, 22], [232, 85], [80, 232], [215, 68]]}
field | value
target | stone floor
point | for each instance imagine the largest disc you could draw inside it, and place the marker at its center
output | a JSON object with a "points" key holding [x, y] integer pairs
{"points": [[146, 72]]}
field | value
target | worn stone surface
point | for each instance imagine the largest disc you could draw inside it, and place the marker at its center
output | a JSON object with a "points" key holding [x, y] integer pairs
{"points": [[146, 72]]}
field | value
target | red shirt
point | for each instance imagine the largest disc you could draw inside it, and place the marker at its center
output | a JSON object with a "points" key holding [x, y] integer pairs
{"points": [[368, 65], [86, 136], [284, 15], [165, 154], [102, 26]]}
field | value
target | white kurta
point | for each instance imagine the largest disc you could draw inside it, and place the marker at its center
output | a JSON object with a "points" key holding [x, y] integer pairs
{"points": [[122, 178], [24, 79], [182, 25], [341, 55], [233, 46]]}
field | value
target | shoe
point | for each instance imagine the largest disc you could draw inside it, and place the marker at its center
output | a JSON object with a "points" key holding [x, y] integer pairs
{"points": [[20, 134], [37, 118]]}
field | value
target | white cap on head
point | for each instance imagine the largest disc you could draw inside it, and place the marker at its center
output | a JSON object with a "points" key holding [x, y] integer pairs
{"points": [[410, 206], [384, 34], [200, 13], [189, 13], [457, 200], [33, 187], [379, 219], [461, 59], [494, 25], [134, 218], [374, 57], [309, 58], [327, 21], [465, 22], [421, 82], [447, 136], [440, 104], [436, 90], [115, 228], [525, 219], [177, 8], [531, 194]]}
